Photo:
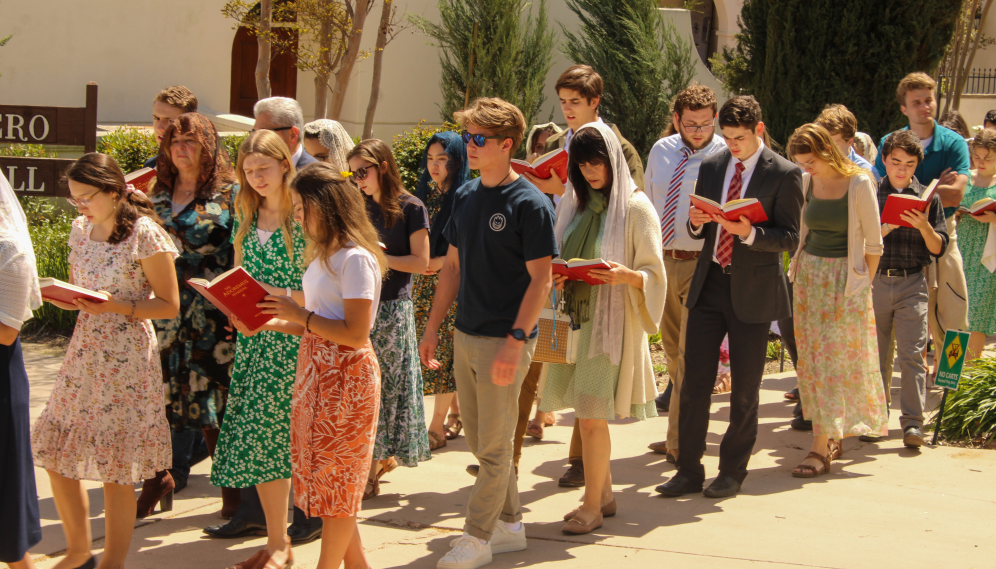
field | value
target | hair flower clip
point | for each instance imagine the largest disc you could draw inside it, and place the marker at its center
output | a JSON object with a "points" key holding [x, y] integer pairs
{"points": [[346, 174]]}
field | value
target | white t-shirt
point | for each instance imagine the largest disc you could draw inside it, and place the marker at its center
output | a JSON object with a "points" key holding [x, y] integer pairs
{"points": [[263, 235], [355, 276]]}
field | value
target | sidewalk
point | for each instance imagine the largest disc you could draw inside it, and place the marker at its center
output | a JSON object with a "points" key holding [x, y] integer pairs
{"points": [[881, 506]]}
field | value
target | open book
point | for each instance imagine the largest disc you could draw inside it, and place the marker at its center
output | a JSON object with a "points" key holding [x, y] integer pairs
{"points": [[141, 179], [235, 292], [898, 204], [545, 166], [579, 269], [981, 206], [54, 289], [732, 210]]}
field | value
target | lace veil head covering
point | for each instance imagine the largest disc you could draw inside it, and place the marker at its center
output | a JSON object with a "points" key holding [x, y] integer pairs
{"points": [[334, 138]]}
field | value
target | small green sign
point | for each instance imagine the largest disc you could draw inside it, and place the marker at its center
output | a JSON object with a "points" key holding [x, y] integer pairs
{"points": [[952, 359]]}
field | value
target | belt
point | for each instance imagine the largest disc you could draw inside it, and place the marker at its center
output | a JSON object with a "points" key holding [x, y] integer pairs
{"points": [[681, 255], [727, 270], [900, 272]]}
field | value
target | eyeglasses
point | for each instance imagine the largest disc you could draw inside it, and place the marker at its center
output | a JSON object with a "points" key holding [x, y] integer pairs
{"points": [[479, 139], [697, 128], [361, 174], [82, 202], [279, 128]]}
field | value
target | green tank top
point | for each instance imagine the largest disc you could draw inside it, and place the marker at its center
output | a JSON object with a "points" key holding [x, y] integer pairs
{"points": [[827, 222]]}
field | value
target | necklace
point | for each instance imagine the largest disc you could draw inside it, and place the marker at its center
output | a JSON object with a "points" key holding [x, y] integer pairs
{"points": [[503, 179]]}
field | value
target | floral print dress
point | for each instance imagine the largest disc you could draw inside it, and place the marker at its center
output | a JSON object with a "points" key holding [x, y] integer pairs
{"points": [[196, 356], [104, 418], [972, 237], [254, 446]]}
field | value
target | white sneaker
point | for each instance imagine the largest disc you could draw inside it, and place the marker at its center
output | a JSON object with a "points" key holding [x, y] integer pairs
{"points": [[504, 539], [468, 553]]}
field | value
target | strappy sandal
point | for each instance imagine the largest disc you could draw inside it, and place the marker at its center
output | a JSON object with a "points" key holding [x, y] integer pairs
{"points": [[807, 471], [374, 491], [834, 449], [386, 468], [454, 431], [535, 429], [436, 441], [723, 384]]}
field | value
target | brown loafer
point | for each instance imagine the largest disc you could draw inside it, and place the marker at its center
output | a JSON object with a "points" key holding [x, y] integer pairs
{"points": [[574, 477], [608, 511], [576, 526], [658, 447]]}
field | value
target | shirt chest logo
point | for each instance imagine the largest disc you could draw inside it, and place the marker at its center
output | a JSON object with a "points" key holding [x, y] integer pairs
{"points": [[497, 222]]}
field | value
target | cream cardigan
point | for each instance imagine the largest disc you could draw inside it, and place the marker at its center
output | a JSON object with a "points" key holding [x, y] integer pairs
{"points": [[644, 308], [864, 231]]}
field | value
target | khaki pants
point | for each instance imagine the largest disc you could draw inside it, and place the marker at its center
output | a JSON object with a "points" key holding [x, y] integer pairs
{"points": [[489, 414], [530, 386]]}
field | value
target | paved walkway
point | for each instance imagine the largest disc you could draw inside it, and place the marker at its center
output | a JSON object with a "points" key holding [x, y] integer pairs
{"points": [[882, 505]]}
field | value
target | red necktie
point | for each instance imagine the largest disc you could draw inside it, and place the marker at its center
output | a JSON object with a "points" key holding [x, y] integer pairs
{"points": [[724, 251]]}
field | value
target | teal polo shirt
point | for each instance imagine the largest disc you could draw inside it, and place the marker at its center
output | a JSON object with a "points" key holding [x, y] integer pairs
{"points": [[947, 150]]}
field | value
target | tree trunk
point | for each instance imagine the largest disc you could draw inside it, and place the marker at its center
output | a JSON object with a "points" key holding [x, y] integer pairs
{"points": [[385, 23], [971, 56], [345, 72], [960, 72], [263, 58], [322, 78]]}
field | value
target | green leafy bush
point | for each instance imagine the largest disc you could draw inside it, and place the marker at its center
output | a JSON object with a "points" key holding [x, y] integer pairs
{"points": [[971, 410], [407, 149], [774, 350], [232, 143], [27, 150], [130, 147], [49, 228]]}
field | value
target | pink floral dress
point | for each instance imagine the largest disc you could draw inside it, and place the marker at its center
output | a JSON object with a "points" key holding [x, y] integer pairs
{"points": [[105, 419]]}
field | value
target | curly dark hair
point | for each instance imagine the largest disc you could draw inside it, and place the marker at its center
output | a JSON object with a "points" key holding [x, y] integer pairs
{"points": [[102, 172]]}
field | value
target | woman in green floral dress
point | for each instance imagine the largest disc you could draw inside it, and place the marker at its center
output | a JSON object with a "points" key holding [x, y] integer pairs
{"points": [[444, 168], [254, 447], [973, 232]]}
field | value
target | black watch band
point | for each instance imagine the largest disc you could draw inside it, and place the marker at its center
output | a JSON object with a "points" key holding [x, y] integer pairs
{"points": [[518, 334]]}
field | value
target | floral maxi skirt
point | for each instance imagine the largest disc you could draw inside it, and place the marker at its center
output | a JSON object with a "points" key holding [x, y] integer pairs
{"points": [[839, 380], [333, 425]]}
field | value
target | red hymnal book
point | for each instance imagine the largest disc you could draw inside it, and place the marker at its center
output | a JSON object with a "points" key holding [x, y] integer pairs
{"points": [[235, 292], [732, 210], [898, 204], [579, 269], [980, 207], [54, 289], [545, 166], [141, 179]]}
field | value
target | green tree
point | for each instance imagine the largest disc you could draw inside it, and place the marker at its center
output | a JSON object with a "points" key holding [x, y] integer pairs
{"points": [[796, 56], [641, 58], [491, 48]]}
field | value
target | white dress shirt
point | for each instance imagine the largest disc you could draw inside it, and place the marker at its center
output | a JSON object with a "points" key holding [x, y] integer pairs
{"points": [[731, 168], [664, 157], [297, 154]]}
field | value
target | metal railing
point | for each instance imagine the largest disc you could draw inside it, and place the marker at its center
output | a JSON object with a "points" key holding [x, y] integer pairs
{"points": [[980, 82]]}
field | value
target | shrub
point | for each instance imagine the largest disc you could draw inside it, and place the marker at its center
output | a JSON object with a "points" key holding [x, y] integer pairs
{"points": [[129, 146], [971, 410], [407, 148], [232, 143]]}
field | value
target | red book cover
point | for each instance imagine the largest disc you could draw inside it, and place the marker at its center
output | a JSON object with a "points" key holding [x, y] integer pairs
{"points": [[141, 179], [235, 292], [898, 204], [579, 269], [545, 166], [749, 207], [54, 289]]}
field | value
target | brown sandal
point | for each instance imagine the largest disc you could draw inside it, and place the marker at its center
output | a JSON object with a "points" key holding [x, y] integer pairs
{"points": [[723, 384], [608, 511], [454, 431], [374, 491], [834, 449], [807, 471], [535, 429], [436, 441]]}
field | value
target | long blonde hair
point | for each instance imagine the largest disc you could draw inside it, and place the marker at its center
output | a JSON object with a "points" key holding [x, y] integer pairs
{"points": [[339, 215], [813, 139], [247, 201]]}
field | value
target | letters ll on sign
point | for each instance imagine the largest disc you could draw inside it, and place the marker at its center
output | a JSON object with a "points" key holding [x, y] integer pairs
{"points": [[43, 177]]}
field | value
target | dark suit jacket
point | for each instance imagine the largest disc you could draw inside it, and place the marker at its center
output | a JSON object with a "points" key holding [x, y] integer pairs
{"points": [[758, 284], [305, 159]]}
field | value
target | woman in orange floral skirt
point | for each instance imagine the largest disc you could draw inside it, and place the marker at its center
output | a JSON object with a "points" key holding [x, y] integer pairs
{"points": [[337, 389]]}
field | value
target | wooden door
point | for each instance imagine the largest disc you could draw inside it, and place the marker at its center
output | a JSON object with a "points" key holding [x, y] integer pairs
{"points": [[283, 73]]}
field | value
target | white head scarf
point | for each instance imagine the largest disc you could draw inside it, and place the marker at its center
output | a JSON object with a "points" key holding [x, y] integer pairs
{"points": [[19, 292], [607, 333], [536, 129], [334, 137]]}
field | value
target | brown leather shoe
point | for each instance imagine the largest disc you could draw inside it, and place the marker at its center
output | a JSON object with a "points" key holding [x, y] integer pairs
{"points": [[576, 526], [574, 477], [658, 447], [608, 511]]}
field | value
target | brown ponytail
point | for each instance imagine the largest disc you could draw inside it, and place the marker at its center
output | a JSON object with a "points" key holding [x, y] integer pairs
{"points": [[102, 172]]}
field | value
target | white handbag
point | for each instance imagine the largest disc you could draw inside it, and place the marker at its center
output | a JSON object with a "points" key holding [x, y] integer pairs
{"points": [[558, 338]]}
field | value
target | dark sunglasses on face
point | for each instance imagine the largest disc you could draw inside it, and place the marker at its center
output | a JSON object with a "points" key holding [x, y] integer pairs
{"points": [[361, 174], [479, 139]]}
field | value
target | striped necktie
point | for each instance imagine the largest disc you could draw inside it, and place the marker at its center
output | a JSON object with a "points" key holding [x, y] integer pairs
{"points": [[671, 204], [724, 251]]}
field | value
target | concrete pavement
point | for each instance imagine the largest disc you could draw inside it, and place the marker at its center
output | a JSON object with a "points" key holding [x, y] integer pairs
{"points": [[882, 505]]}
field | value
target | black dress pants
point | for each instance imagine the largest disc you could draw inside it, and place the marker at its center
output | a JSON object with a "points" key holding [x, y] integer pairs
{"points": [[251, 510], [709, 321]]}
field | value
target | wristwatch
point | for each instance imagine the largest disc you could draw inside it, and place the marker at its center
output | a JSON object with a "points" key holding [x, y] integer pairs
{"points": [[518, 334]]}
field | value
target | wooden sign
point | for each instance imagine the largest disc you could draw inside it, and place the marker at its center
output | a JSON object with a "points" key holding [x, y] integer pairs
{"points": [[70, 126]]}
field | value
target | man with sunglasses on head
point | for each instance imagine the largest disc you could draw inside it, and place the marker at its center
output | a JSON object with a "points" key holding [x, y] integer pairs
{"points": [[170, 103], [283, 116], [498, 268], [672, 170]]}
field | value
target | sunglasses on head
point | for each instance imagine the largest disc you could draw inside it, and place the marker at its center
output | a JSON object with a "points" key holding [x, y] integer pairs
{"points": [[479, 139], [361, 174]]}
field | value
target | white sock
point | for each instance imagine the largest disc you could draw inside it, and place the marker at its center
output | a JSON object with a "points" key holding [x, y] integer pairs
{"points": [[514, 527]]}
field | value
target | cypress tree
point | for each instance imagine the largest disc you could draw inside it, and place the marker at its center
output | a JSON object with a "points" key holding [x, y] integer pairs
{"points": [[796, 56], [641, 58], [511, 52]]}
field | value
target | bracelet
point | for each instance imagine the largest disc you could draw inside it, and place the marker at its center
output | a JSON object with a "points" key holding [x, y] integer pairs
{"points": [[132, 309], [307, 322]]}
